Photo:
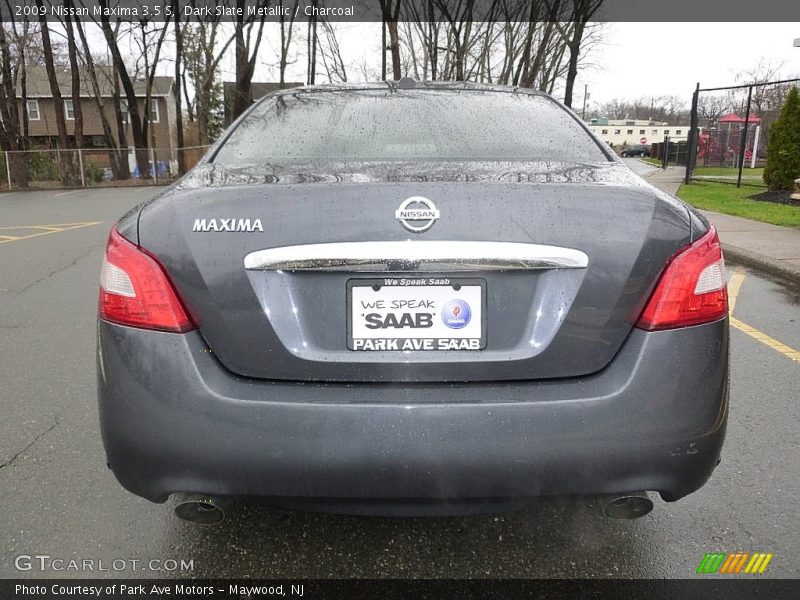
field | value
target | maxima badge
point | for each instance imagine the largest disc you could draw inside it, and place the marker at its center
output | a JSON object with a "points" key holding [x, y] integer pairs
{"points": [[417, 214]]}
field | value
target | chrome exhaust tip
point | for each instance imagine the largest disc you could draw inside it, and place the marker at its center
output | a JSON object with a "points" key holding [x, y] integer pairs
{"points": [[200, 509], [631, 506]]}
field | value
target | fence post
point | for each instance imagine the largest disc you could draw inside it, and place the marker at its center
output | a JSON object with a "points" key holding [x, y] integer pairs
{"points": [[153, 161], [754, 154], [693, 123], [743, 141], [8, 170], [80, 164], [665, 154]]}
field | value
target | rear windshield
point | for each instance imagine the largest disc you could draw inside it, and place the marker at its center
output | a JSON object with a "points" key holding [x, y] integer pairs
{"points": [[372, 125]]}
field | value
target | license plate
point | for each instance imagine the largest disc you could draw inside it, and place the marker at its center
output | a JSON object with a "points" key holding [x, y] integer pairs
{"points": [[416, 314]]}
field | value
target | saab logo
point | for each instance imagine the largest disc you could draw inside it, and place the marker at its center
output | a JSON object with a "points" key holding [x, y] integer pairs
{"points": [[390, 321], [736, 562], [227, 225], [417, 214], [456, 314]]}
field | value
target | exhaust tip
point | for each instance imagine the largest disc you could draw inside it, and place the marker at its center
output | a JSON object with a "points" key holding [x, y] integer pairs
{"points": [[200, 510], [633, 506]]}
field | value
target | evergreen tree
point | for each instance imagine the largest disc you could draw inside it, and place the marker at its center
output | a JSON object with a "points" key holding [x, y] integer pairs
{"points": [[783, 150]]}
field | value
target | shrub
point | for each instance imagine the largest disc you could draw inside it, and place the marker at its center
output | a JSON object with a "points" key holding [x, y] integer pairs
{"points": [[783, 150], [43, 166], [94, 173]]}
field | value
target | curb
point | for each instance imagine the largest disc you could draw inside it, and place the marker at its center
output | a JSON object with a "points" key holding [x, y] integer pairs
{"points": [[31, 190], [761, 262]]}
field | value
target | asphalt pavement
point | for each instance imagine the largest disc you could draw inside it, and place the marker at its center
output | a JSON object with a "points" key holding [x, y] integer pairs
{"points": [[58, 498]]}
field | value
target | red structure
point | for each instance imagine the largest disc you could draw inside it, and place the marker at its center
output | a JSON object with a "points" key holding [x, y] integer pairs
{"points": [[721, 144]]}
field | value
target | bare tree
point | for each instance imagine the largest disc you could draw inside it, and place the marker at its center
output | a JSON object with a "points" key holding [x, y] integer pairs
{"points": [[767, 100], [75, 73], [423, 27], [202, 54], [312, 45], [331, 54], [582, 12], [25, 45], [390, 11], [670, 109], [176, 88], [149, 40], [246, 51], [67, 170], [116, 154], [10, 138], [711, 107], [286, 40]]}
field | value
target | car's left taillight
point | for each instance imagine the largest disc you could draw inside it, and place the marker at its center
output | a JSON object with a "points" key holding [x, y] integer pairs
{"points": [[135, 290]]}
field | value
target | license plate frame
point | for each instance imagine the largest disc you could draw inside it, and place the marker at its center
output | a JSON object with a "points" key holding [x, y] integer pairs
{"points": [[461, 289]]}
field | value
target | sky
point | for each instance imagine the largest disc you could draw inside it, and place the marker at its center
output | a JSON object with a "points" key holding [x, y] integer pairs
{"points": [[639, 60]]}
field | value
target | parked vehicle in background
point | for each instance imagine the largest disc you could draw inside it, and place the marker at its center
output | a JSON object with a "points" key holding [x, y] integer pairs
{"points": [[412, 298], [637, 150]]}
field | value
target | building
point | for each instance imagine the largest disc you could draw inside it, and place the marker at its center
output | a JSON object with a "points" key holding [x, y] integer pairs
{"points": [[257, 89], [631, 132], [43, 129]]}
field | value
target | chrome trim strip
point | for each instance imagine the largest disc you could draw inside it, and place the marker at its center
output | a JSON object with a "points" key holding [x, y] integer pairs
{"points": [[422, 256]]}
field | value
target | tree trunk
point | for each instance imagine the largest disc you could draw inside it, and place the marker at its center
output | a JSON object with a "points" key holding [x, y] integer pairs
{"points": [[312, 47], [9, 121], [394, 49], [76, 80], [23, 90], [177, 89], [245, 62], [124, 165], [67, 171], [286, 41], [391, 13], [572, 72], [134, 115]]}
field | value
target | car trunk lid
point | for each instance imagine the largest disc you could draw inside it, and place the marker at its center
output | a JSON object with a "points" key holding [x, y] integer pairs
{"points": [[269, 305]]}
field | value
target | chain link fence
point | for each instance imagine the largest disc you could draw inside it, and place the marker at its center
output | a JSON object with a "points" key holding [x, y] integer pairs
{"points": [[46, 168], [729, 134]]}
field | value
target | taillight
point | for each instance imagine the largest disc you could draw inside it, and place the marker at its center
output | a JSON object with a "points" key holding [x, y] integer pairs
{"points": [[692, 289], [135, 290]]}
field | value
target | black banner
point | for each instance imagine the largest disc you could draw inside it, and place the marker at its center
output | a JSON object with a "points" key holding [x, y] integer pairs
{"points": [[712, 587], [452, 11]]}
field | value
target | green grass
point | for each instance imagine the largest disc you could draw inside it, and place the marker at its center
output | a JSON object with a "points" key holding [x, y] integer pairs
{"points": [[730, 200], [729, 171], [652, 161]]}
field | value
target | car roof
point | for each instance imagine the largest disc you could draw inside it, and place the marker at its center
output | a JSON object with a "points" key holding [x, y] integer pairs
{"points": [[408, 84]]}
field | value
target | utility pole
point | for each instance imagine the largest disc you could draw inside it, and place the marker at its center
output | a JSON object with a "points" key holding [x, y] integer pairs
{"points": [[585, 98]]}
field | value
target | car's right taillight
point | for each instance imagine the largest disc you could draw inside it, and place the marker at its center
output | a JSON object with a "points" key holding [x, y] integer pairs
{"points": [[692, 289], [135, 290]]}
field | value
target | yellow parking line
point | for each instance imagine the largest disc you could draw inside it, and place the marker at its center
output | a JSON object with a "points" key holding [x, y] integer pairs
{"points": [[762, 337], [59, 226], [734, 285], [56, 228]]}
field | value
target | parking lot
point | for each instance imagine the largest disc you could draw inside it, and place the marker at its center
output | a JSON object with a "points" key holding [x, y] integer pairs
{"points": [[58, 498]]}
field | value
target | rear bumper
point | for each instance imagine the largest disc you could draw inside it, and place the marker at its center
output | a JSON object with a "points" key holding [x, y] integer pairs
{"points": [[174, 420]]}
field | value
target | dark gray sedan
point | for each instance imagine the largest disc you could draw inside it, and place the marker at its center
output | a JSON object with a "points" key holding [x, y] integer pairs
{"points": [[412, 298]]}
